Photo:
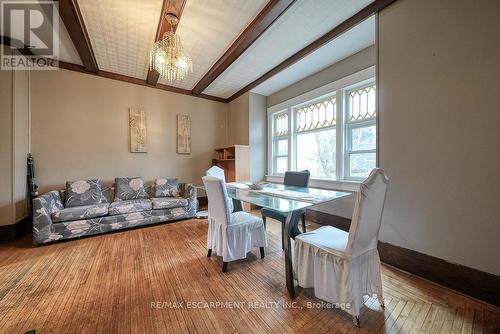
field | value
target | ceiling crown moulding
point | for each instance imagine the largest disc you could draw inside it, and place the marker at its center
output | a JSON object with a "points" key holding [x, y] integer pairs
{"points": [[136, 81], [110, 75]]}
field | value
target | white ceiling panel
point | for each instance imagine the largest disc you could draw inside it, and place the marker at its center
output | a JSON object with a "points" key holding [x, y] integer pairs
{"points": [[347, 44], [301, 24], [121, 33], [208, 28]]}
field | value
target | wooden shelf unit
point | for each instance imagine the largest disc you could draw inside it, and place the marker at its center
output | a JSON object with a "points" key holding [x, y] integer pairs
{"points": [[235, 161]]}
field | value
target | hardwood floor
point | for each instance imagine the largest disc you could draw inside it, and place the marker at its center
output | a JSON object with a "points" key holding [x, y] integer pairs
{"points": [[159, 279]]}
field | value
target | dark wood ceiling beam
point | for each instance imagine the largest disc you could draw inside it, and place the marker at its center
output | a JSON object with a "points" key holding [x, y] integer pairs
{"points": [[360, 16], [172, 7], [273, 10], [136, 81], [16, 44], [72, 18]]}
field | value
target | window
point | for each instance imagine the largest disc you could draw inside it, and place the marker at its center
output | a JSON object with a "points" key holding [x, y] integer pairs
{"points": [[331, 131], [361, 134], [280, 142], [316, 138]]}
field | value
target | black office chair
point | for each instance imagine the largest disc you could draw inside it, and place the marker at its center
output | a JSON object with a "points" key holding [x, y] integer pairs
{"points": [[297, 179]]}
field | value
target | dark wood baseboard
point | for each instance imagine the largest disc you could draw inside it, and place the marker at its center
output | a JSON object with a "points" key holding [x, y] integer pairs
{"points": [[323, 218], [473, 282], [203, 201], [14, 231]]}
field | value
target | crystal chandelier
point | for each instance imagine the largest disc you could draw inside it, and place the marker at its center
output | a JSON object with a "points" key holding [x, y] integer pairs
{"points": [[168, 57]]}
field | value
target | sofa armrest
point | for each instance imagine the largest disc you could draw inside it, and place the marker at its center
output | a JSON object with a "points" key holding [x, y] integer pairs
{"points": [[188, 191], [43, 207]]}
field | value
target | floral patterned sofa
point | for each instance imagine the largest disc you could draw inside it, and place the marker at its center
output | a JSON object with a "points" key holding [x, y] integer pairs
{"points": [[86, 208]]}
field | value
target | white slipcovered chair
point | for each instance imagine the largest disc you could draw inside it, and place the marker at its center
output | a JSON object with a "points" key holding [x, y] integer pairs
{"points": [[231, 235], [343, 267], [218, 172]]}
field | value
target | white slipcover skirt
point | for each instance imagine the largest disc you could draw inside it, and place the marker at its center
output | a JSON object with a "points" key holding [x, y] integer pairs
{"points": [[336, 279], [235, 240]]}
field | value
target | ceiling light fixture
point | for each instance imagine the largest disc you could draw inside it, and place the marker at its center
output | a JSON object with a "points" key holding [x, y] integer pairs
{"points": [[168, 57]]}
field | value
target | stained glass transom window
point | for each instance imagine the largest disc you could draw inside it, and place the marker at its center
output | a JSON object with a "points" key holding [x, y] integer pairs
{"points": [[316, 116], [362, 104], [281, 124]]}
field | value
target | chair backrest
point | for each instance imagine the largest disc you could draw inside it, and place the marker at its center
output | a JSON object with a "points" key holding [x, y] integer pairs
{"points": [[217, 172], [297, 179], [217, 199], [367, 215]]}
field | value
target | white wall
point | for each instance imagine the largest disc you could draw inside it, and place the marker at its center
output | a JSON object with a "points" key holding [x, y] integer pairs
{"points": [[257, 121], [237, 121], [80, 130], [14, 144], [21, 145], [6, 217], [439, 128], [247, 126]]}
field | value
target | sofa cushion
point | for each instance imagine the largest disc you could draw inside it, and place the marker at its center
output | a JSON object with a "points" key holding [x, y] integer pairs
{"points": [[166, 187], [80, 212], [169, 202], [128, 206], [128, 188], [83, 192]]}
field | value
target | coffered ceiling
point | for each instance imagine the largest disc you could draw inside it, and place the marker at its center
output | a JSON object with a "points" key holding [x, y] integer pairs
{"points": [[236, 45]]}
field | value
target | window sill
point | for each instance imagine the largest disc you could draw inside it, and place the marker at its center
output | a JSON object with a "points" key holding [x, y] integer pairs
{"points": [[344, 185]]}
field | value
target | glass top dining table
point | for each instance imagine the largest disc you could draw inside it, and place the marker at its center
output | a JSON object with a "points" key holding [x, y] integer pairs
{"points": [[290, 200], [282, 198]]}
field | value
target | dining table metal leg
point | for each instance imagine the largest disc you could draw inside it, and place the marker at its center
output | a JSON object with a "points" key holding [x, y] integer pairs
{"points": [[291, 231]]}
